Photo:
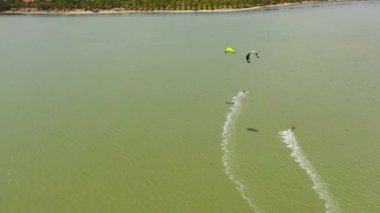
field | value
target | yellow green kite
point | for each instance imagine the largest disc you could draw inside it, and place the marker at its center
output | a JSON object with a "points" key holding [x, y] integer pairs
{"points": [[229, 50]]}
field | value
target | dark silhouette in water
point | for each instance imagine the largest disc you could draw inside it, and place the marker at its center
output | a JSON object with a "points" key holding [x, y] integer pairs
{"points": [[229, 102], [252, 129], [293, 128]]}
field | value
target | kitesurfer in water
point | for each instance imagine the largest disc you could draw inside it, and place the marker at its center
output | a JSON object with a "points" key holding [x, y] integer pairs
{"points": [[293, 128]]}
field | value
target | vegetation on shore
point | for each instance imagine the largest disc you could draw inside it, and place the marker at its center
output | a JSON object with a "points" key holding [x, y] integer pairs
{"points": [[139, 5]]}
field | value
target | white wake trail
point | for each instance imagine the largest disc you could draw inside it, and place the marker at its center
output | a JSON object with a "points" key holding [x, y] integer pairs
{"points": [[226, 148], [319, 186]]}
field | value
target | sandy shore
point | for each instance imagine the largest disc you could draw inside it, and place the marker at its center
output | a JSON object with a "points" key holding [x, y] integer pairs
{"points": [[34, 11]]}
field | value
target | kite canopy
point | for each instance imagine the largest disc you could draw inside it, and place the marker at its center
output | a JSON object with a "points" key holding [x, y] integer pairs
{"points": [[230, 50], [248, 57]]}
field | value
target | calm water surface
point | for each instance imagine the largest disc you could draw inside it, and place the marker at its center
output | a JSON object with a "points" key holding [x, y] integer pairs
{"points": [[125, 113]]}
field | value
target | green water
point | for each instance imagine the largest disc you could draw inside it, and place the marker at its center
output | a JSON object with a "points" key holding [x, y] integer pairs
{"points": [[125, 113]]}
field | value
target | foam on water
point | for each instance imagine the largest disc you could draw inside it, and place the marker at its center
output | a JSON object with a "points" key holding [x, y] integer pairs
{"points": [[226, 148], [319, 186]]}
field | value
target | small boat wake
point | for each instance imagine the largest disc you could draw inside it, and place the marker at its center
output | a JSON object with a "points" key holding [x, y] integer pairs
{"points": [[226, 147], [319, 186]]}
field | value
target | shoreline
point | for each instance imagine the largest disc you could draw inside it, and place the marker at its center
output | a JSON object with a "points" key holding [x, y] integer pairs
{"points": [[120, 11]]}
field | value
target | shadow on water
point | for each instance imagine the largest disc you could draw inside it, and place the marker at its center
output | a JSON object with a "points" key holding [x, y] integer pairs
{"points": [[229, 102], [252, 129]]}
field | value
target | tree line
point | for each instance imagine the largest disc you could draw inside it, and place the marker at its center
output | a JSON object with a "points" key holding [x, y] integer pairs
{"points": [[142, 5]]}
